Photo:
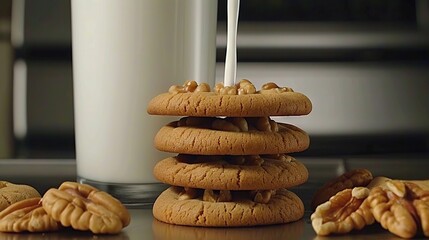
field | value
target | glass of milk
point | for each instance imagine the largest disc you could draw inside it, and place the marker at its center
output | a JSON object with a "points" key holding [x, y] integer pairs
{"points": [[124, 54]]}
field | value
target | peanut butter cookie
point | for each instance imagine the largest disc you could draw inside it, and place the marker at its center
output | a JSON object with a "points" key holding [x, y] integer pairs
{"points": [[281, 207], [231, 172], [241, 100], [11, 193], [223, 137]]}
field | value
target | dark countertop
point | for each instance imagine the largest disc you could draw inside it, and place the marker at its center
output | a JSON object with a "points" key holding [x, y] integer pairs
{"points": [[143, 226], [44, 174]]}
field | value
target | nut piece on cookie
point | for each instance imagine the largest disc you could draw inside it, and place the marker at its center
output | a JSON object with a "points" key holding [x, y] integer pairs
{"points": [[217, 196], [270, 88], [188, 193], [85, 208], [348, 180], [189, 86], [344, 212], [250, 160], [262, 196], [401, 207], [11, 193], [27, 216]]}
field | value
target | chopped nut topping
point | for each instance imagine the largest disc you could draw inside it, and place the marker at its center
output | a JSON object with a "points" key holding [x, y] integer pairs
{"points": [[280, 156], [203, 87], [218, 88], [232, 124], [223, 125], [189, 86], [262, 196], [243, 87], [217, 196], [240, 122], [176, 89], [188, 193], [271, 88], [253, 160], [263, 124], [209, 195], [194, 122]]}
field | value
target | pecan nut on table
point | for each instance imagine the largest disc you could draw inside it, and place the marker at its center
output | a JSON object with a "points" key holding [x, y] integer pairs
{"points": [[74, 205], [400, 206]]}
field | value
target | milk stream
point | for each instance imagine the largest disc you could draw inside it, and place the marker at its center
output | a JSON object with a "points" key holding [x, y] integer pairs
{"points": [[231, 44]]}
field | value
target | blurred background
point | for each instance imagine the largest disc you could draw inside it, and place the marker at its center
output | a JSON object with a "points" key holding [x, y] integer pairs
{"points": [[363, 63]]}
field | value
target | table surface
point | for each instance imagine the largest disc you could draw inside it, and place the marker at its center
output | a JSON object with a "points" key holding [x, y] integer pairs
{"points": [[144, 226], [44, 174]]}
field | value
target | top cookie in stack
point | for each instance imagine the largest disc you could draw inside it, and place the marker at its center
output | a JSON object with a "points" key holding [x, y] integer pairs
{"points": [[232, 168]]}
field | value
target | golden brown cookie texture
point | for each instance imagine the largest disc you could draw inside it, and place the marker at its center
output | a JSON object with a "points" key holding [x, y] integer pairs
{"points": [[220, 174], [206, 104], [11, 193], [283, 207], [232, 168], [193, 140]]}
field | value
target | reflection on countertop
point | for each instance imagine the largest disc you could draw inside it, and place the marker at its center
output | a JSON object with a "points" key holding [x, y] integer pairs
{"points": [[44, 174], [144, 226]]}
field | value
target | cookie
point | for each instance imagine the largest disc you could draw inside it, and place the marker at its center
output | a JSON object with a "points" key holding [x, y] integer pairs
{"points": [[221, 174], [283, 207], [204, 141], [211, 104], [11, 193], [348, 180]]}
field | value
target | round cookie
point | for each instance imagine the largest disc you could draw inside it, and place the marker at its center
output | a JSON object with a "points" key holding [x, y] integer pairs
{"points": [[200, 141], [11, 193], [283, 207], [221, 175], [205, 104]]}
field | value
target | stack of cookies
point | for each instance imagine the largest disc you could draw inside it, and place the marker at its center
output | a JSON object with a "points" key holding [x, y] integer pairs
{"points": [[232, 167]]}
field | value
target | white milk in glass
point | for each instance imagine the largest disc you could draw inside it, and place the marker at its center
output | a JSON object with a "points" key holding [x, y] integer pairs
{"points": [[124, 54]]}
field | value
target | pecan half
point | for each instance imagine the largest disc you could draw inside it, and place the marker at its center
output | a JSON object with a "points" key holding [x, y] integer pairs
{"points": [[401, 207], [85, 208], [343, 212], [348, 180], [27, 216]]}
